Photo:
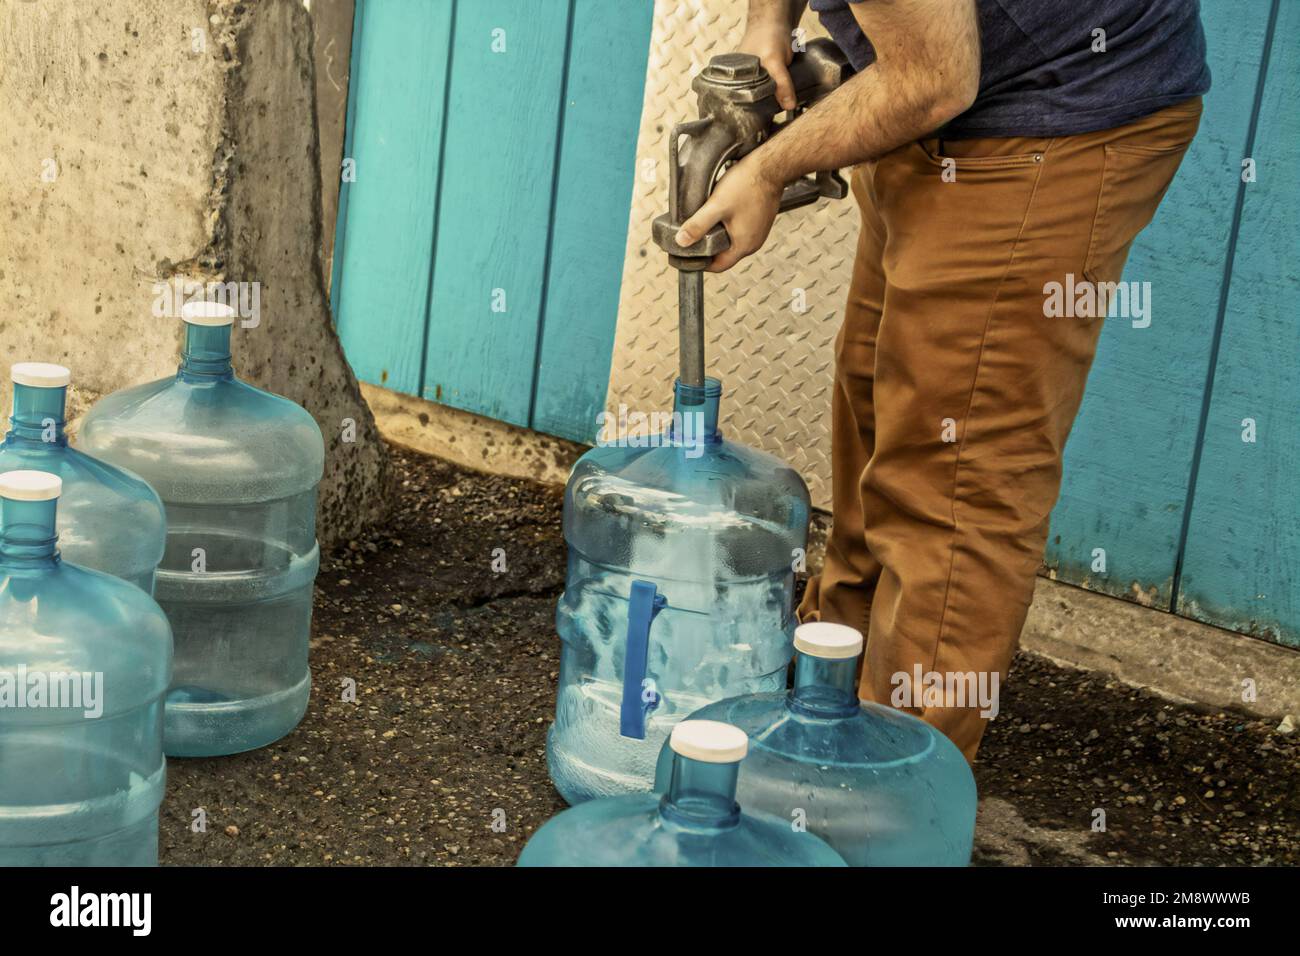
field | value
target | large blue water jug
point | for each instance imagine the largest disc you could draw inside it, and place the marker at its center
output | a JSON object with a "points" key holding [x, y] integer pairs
{"points": [[880, 786], [85, 660], [679, 591], [237, 469], [109, 519], [695, 823]]}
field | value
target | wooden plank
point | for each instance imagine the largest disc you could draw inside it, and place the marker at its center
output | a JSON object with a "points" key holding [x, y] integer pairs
{"points": [[1242, 557], [399, 88], [602, 112], [345, 188], [335, 25], [1129, 460], [497, 184]]}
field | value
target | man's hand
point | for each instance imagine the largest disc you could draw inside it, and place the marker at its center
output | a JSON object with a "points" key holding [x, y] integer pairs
{"points": [[768, 37], [746, 202]]}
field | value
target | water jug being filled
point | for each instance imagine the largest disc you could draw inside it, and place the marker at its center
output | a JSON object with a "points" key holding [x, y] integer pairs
{"points": [[109, 519], [679, 592], [695, 823], [85, 660], [882, 787], [237, 469]]}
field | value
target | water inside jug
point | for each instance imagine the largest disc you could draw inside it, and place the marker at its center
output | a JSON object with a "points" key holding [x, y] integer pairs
{"points": [[696, 822], [679, 591], [85, 659], [882, 787], [237, 470], [109, 519]]}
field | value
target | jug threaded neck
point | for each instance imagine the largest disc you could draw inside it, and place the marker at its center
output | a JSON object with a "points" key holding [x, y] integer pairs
{"points": [[824, 688], [205, 354], [825, 670], [28, 507], [701, 794], [38, 414], [706, 764], [695, 413]]}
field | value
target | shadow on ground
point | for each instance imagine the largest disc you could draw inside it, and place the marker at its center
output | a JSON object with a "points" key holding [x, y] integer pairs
{"points": [[441, 758]]}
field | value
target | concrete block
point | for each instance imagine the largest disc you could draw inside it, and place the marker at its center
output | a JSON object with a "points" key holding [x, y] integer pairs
{"points": [[145, 142], [470, 440], [1180, 659]]}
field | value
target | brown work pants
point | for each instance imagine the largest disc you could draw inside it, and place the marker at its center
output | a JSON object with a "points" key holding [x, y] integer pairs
{"points": [[955, 390]]}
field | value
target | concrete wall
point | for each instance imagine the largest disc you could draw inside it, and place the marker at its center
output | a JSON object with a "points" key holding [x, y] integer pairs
{"points": [[148, 141]]}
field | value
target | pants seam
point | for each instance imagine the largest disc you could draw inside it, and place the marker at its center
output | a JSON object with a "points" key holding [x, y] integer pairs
{"points": [[970, 404]]}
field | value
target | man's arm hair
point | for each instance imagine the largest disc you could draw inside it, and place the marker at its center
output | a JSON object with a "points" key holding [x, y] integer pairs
{"points": [[927, 71]]}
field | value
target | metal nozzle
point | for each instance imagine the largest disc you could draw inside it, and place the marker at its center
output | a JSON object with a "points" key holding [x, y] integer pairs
{"points": [[690, 305], [737, 113]]}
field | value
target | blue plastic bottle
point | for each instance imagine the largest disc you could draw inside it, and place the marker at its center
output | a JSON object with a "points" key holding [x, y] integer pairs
{"points": [[880, 786], [679, 592], [237, 469], [109, 520], [85, 660], [695, 823]]}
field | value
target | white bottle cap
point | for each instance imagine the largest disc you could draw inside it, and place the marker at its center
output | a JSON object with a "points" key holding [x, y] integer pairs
{"points": [[30, 485], [832, 642], [39, 375], [207, 313], [709, 741]]}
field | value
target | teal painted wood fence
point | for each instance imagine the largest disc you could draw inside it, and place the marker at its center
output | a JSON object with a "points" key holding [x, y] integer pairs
{"points": [[1163, 501], [481, 250], [1242, 547], [480, 244]]}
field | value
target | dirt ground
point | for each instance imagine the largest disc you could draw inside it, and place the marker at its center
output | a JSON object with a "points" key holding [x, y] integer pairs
{"points": [[441, 757]]}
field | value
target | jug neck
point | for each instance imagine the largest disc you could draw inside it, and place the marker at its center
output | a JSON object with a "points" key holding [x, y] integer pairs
{"points": [[695, 413], [205, 356], [701, 794], [38, 416], [824, 688], [27, 536]]}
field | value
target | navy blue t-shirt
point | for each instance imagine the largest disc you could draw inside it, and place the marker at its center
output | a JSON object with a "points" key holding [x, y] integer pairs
{"points": [[1039, 74]]}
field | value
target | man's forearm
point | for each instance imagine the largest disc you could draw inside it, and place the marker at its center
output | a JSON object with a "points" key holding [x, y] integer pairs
{"points": [[926, 73]]}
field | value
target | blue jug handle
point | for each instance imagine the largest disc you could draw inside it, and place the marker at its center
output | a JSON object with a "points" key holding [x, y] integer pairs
{"points": [[643, 604]]}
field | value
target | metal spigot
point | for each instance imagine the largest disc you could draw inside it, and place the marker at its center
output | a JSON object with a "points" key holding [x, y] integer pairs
{"points": [[738, 113]]}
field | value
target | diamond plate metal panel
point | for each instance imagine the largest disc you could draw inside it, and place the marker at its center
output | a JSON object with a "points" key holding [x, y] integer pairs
{"points": [[776, 364]]}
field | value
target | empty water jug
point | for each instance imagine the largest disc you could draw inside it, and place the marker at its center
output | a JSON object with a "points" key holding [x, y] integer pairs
{"points": [[695, 823], [237, 469], [679, 591], [85, 660], [880, 786], [109, 519]]}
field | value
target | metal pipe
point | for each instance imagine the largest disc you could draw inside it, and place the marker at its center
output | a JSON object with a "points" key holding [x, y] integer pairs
{"points": [[690, 305]]}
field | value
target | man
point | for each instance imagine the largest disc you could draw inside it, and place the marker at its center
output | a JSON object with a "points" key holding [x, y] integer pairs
{"points": [[1004, 145]]}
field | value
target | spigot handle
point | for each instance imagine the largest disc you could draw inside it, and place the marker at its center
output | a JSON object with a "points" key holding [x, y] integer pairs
{"points": [[817, 69]]}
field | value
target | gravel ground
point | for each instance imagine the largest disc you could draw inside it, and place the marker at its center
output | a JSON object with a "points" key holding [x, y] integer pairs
{"points": [[440, 757]]}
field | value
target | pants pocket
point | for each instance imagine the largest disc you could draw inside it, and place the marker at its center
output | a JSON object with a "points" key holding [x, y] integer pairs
{"points": [[1134, 180], [974, 155]]}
